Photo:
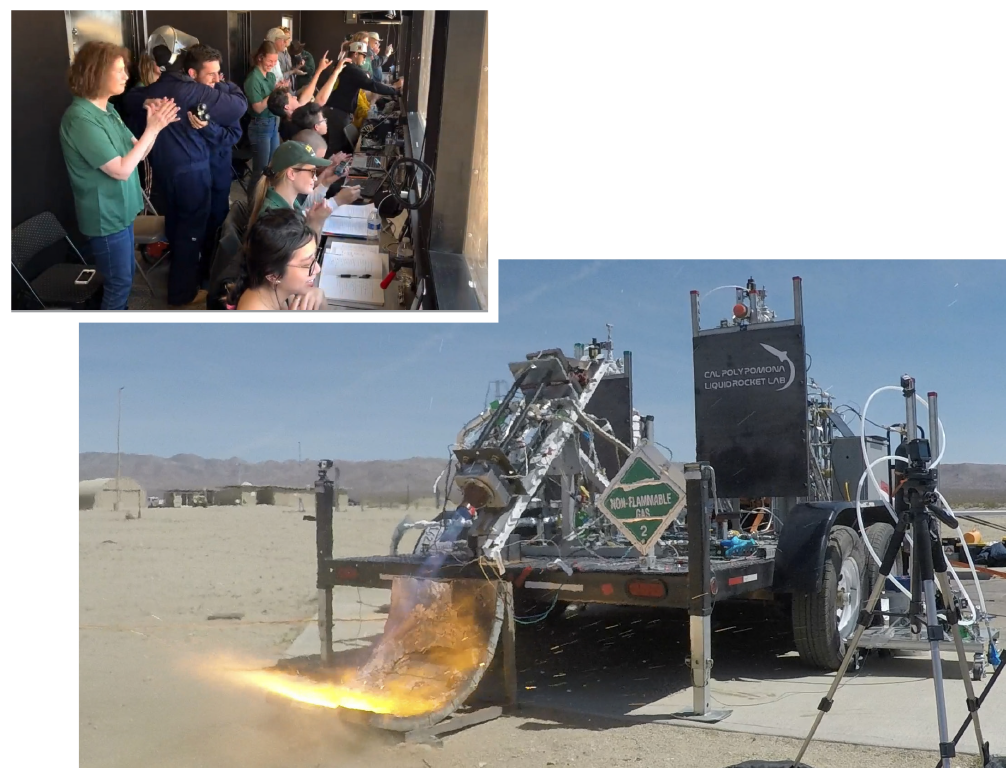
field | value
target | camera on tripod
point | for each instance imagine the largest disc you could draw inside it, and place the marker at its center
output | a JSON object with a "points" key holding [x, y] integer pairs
{"points": [[918, 453]]}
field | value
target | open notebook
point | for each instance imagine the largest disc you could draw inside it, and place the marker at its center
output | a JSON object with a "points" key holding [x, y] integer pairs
{"points": [[348, 221], [351, 275]]}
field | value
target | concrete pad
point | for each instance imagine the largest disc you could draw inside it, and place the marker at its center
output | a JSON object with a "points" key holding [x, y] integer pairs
{"points": [[895, 706], [628, 665], [357, 622]]}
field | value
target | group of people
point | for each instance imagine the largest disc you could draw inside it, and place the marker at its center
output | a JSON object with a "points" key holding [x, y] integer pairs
{"points": [[186, 117]]}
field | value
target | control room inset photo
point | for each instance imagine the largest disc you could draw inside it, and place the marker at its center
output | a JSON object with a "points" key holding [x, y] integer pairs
{"points": [[308, 160]]}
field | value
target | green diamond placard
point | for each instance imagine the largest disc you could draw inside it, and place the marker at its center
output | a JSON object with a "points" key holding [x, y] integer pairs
{"points": [[643, 500]]}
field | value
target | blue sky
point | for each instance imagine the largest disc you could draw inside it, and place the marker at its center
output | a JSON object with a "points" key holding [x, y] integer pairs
{"points": [[357, 391]]}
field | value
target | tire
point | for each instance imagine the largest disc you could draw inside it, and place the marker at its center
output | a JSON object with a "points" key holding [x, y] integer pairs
{"points": [[879, 536], [824, 621], [427, 539]]}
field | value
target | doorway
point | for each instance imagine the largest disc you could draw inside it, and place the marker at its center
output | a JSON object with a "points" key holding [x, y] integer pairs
{"points": [[239, 50]]}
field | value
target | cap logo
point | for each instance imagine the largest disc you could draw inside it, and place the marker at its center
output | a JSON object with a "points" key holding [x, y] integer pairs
{"points": [[309, 148]]}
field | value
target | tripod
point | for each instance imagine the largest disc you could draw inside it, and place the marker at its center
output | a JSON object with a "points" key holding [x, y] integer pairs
{"points": [[918, 506]]}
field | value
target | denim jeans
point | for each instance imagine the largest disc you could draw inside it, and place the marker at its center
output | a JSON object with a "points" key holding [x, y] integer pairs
{"points": [[114, 258], [263, 135]]}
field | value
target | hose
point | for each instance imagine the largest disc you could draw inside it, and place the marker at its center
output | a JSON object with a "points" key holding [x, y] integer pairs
{"points": [[886, 499]]}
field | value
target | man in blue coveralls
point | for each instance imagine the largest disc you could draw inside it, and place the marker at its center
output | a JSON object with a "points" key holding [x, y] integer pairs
{"points": [[222, 139], [181, 161]]}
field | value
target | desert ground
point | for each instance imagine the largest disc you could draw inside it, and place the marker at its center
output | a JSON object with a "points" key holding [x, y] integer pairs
{"points": [[154, 689]]}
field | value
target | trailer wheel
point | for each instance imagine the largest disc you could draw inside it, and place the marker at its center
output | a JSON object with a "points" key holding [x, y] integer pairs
{"points": [[824, 621], [427, 539], [879, 535]]}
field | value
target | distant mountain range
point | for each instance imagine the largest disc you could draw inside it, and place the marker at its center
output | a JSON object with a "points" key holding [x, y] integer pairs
{"points": [[367, 480], [392, 480]]}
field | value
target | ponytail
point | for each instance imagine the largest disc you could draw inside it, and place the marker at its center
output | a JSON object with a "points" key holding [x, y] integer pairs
{"points": [[258, 198]]}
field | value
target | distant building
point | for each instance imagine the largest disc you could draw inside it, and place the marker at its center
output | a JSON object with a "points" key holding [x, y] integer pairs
{"points": [[279, 496], [181, 498], [236, 495], [100, 494]]}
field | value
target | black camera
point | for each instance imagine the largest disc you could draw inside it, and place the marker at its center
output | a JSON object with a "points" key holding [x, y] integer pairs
{"points": [[919, 453], [200, 112]]}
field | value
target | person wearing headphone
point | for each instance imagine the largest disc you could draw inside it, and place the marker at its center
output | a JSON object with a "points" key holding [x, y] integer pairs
{"points": [[352, 80], [279, 268]]}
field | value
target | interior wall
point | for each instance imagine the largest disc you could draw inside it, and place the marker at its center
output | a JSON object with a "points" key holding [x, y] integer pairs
{"points": [[325, 30], [209, 26], [263, 21], [39, 63], [476, 248]]}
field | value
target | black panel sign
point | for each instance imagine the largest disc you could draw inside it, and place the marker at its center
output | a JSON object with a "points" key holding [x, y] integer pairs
{"points": [[612, 401], [751, 410]]}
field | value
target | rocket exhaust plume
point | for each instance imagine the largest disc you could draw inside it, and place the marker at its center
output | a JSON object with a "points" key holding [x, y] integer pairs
{"points": [[439, 639]]}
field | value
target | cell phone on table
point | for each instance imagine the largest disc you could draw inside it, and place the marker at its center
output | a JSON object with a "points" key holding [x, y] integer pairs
{"points": [[85, 277]]}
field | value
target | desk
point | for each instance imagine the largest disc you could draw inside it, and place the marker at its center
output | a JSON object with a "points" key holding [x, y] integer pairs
{"points": [[391, 293]]}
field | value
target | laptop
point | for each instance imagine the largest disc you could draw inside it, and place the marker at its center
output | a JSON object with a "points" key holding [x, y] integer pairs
{"points": [[369, 185], [363, 162]]}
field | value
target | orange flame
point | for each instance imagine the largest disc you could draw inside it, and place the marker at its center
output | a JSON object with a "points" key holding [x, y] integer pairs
{"points": [[435, 642]]}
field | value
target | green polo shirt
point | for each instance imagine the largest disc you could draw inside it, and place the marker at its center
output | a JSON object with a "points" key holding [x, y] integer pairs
{"points": [[258, 87], [90, 137], [274, 200]]}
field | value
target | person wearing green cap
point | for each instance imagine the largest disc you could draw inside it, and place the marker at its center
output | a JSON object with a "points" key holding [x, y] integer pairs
{"points": [[291, 172]]}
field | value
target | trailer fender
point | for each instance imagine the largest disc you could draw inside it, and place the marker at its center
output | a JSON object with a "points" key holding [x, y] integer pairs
{"points": [[803, 541]]}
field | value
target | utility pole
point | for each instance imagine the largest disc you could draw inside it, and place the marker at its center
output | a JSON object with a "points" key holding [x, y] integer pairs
{"points": [[499, 394], [118, 455]]}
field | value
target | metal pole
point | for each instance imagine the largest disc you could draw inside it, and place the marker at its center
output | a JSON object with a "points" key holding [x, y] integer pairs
{"points": [[911, 422], [934, 426], [700, 599], [118, 454], [798, 300], [324, 502], [695, 313], [568, 463]]}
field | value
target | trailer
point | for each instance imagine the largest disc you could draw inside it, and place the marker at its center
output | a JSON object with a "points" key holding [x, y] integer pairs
{"points": [[563, 501]]}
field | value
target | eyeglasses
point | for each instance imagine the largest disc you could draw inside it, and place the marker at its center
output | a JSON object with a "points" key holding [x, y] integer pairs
{"points": [[313, 170], [309, 267]]}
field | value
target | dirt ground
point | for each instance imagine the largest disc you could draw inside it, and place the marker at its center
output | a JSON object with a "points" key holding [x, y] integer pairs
{"points": [[152, 692]]}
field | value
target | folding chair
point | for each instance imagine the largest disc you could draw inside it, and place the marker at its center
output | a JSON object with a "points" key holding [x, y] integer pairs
{"points": [[55, 285], [148, 229]]}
